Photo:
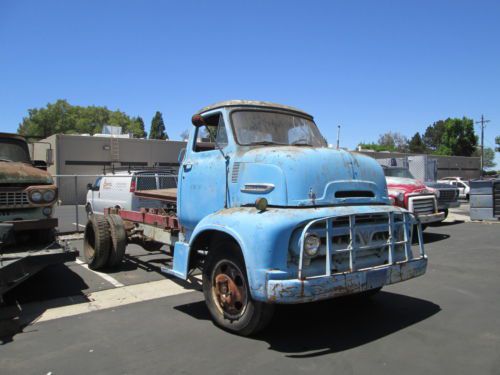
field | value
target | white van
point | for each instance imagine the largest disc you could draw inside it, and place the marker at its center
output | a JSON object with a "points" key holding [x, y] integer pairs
{"points": [[461, 184], [117, 190]]}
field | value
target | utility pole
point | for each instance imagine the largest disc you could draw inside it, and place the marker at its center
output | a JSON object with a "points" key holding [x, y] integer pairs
{"points": [[482, 122], [338, 137]]}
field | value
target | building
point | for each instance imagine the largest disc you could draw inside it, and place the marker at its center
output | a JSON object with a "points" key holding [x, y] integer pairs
{"points": [[468, 168], [88, 156]]}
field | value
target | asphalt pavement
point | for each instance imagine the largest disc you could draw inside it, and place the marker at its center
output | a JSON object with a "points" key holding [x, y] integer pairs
{"points": [[447, 321]]}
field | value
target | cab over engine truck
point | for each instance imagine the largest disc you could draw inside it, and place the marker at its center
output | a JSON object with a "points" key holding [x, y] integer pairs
{"points": [[27, 229], [270, 215]]}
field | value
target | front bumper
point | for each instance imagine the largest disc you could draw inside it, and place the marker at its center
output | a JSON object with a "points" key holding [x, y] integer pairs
{"points": [[431, 218], [324, 287], [445, 205]]}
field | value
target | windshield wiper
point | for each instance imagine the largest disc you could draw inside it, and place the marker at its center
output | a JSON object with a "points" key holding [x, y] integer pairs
{"points": [[2, 159], [264, 143]]}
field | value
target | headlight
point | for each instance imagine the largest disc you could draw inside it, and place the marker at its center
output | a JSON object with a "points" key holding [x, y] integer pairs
{"points": [[397, 194], [36, 196], [311, 245], [47, 211], [49, 195]]}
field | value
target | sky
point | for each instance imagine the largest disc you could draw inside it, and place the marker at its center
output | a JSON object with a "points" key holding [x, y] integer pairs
{"points": [[369, 66]]}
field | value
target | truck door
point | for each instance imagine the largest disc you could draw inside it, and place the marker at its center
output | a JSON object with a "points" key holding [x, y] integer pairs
{"points": [[202, 176]]}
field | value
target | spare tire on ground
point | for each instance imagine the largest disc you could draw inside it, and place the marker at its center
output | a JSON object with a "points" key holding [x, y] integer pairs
{"points": [[96, 242], [118, 240]]}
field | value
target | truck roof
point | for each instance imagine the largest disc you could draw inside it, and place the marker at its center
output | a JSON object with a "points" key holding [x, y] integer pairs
{"points": [[13, 136], [254, 104]]}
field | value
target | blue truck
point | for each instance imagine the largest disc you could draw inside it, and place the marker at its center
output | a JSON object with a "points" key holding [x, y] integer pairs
{"points": [[270, 215]]}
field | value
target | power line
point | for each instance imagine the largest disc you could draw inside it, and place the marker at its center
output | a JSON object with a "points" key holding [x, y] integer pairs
{"points": [[482, 122]]}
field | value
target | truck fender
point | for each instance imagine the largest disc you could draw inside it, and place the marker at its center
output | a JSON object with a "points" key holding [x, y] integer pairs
{"points": [[182, 250]]}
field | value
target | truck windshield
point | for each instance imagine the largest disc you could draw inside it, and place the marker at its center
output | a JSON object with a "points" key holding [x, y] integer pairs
{"points": [[275, 128], [14, 150], [398, 172]]}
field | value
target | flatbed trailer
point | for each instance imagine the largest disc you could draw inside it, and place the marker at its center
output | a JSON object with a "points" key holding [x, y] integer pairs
{"points": [[149, 227], [17, 266]]}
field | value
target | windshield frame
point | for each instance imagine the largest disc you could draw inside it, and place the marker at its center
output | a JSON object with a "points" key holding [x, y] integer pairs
{"points": [[272, 110]]}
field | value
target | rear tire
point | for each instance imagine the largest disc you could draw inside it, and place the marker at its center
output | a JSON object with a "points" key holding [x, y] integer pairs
{"points": [[96, 242], [227, 294], [118, 240]]}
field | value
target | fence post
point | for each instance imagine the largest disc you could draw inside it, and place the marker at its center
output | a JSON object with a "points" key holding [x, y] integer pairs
{"points": [[76, 204]]}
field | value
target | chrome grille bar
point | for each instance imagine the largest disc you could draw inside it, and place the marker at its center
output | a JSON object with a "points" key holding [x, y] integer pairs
{"points": [[406, 220]]}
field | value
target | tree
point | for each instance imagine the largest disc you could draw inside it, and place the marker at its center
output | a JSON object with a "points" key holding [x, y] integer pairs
{"points": [[416, 144], [140, 127], [157, 127], [489, 157], [433, 135], [458, 138], [497, 143], [393, 141], [63, 118], [374, 147]]}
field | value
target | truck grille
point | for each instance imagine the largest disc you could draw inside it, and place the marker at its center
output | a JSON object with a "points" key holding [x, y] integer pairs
{"points": [[422, 205], [14, 199], [496, 199], [357, 241], [448, 195]]}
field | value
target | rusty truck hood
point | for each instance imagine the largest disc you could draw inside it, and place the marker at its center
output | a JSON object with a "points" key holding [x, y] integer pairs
{"points": [[21, 173], [306, 176]]}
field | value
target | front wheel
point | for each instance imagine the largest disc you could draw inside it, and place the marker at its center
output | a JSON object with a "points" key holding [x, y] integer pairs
{"points": [[227, 294]]}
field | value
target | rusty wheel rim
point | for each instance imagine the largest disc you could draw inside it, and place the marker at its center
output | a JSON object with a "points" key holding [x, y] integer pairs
{"points": [[229, 289]]}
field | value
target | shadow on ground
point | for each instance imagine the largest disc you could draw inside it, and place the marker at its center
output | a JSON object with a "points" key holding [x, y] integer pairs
{"points": [[58, 285], [430, 237], [446, 223], [315, 329]]}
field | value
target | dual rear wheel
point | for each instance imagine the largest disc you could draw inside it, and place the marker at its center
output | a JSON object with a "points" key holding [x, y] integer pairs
{"points": [[104, 242]]}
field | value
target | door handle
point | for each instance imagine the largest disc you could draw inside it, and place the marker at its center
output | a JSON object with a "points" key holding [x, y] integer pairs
{"points": [[187, 166]]}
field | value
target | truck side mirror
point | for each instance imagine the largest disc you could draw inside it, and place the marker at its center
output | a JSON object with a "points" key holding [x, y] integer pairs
{"points": [[198, 121], [89, 186]]}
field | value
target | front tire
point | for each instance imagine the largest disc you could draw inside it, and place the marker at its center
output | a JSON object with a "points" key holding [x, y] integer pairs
{"points": [[227, 294]]}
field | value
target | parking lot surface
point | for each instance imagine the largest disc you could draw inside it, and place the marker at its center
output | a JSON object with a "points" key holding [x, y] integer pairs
{"points": [[447, 321]]}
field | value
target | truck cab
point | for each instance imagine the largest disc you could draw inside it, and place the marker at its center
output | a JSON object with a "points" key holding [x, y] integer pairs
{"points": [[270, 215], [273, 215], [27, 226]]}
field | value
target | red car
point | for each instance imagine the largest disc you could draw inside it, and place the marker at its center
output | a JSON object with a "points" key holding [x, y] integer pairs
{"points": [[407, 192]]}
